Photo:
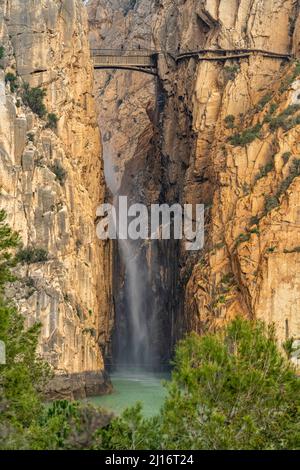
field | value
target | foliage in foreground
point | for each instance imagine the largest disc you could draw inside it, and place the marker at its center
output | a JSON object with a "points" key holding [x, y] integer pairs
{"points": [[230, 390], [233, 389], [25, 421], [24, 372]]}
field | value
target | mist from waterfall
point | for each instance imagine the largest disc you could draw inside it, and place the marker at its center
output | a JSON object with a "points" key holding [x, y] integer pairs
{"points": [[139, 302]]}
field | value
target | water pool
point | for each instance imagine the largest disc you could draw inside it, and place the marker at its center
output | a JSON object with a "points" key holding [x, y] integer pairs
{"points": [[131, 387]]}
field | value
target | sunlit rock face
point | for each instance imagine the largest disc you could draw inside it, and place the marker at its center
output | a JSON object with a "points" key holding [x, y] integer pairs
{"points": [[124, 99], [251, 257], [129, 105], [46, 45], [249, 265]]}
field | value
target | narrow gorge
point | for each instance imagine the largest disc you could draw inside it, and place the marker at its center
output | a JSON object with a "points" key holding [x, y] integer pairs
{"points": [[217, 124]]}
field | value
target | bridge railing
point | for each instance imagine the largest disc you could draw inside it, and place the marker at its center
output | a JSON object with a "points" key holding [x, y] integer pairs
{"points": [[113, 57], [147, 58], [123, 52]]}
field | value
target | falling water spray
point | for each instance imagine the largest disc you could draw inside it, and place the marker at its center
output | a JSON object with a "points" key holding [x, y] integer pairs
{"points": [[139, 300]]}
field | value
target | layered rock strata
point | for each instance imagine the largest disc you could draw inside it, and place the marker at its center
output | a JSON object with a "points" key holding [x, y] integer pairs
{"points": [[51, 182], [241, 120]]}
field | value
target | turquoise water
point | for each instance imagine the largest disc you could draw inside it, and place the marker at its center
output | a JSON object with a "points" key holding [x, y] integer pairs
{"points": [[131, 387]]}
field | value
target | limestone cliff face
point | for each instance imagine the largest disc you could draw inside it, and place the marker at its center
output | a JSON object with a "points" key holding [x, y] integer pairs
{"points": [[128, 106], [249, 183], [222, 133], [51, 183], [125, 100]]}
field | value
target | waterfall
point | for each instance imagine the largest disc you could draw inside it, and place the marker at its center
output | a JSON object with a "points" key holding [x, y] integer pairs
{"points": [[139, 302], [136, 285]]}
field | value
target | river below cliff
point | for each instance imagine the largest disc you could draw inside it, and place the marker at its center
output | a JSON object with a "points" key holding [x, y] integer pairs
{"points": [[134, 386]]}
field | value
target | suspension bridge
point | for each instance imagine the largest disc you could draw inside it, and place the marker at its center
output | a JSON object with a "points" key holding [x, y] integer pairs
{"points": [[146, 61]]}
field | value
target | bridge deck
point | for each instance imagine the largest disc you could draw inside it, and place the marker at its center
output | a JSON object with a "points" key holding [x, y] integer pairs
{"points": [[227, 54], [135, 61], [144, 60], [123, 58]]}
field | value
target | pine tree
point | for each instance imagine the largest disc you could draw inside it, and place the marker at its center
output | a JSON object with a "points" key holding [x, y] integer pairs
{"points": [[24, 373]]}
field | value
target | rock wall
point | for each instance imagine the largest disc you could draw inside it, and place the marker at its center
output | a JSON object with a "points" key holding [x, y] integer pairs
{"points": [[125, 100], [128, 106], [226, 136], [51, 183], [247, 176]]}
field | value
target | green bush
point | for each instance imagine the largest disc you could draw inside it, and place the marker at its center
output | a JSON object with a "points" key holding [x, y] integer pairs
{"points": [[290, 110], [290, 123], [130, 6], [291, 78], [30, 136], [242, 238], [230, 390], [26, 422], [264, 101], [32, 255], [66, 425], [2, 52], [284, 119], [286, 156], [294, 173], [229, 121], [246, 137], [34, 99], [8, 241], [231, 72], [267, 118], [52, 121], [264, 171], [254, 221], [59, 172], [277, 122], [227, 278], [13, 81], [24, 372], [293, 250], [271, 203], [273, 108]]}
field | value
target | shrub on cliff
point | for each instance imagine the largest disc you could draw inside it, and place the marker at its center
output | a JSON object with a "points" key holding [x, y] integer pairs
{"points": [[52, 121], [34, 99], [60, 172], [12, 79], [246, 137], [2, 52], [32, 255], [230, 121], [233, 389]]}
